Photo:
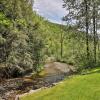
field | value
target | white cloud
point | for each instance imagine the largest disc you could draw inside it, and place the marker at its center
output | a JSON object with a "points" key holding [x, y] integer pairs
{"points": [[50, 9]]}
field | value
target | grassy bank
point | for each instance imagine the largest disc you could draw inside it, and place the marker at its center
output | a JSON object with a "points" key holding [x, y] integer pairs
{"points": [[80, 87]]}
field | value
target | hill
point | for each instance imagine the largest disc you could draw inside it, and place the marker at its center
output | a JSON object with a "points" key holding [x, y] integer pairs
{"points": [[27, 40]]}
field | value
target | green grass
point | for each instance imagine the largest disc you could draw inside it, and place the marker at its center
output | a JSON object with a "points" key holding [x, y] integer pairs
{"points": [[80, 87]]}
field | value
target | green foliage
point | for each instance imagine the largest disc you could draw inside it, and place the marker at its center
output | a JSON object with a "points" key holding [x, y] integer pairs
{"points": [[3, 20], [27, 40], [20, 42], [2, 40]]}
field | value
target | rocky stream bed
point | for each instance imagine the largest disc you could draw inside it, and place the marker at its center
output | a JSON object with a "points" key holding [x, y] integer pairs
{"points": [[10, 88], [55, 73]]}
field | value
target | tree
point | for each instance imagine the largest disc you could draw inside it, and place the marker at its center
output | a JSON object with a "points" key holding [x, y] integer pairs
{"points": [[20, 45], [85, 14]]}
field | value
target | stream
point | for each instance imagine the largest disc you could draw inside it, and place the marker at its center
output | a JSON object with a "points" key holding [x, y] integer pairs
{"points": [[56, 72]]}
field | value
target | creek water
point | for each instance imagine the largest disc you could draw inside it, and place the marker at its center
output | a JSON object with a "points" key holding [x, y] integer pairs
{"points": [[56, 72]]}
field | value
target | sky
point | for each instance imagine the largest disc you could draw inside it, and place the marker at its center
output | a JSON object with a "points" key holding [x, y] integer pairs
{"points": [[50, 9]]}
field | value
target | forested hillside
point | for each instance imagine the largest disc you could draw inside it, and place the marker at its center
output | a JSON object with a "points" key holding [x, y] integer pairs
{"points": [[27, 40], [36, 53], [20, 42]]}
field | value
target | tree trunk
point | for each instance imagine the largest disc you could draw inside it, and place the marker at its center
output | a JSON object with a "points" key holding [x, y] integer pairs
{"points": [[61, 42], [94, 30], [87, 28]]}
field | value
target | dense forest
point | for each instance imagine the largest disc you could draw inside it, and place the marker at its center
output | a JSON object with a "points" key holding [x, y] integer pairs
{"points": [[40, 56], [27, 40]]}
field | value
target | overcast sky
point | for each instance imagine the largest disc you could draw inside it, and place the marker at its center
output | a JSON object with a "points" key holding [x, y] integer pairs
{"points": [[50, 9]]}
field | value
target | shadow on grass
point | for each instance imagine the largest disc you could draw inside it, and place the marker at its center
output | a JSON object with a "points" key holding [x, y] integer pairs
{"points": [[92, 71]]}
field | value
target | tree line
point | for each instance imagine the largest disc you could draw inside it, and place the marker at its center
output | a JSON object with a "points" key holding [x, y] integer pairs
{"points": [[28, 40], [85, 14]]}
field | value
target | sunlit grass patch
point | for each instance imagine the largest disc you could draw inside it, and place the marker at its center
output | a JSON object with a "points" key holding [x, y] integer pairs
{"points": [[80, 87]]}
